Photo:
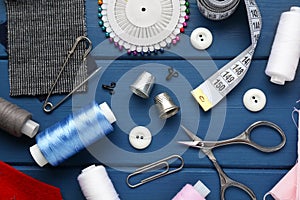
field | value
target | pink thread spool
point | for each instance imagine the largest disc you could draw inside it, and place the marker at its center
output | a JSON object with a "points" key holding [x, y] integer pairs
{"points": [[197, 192]]}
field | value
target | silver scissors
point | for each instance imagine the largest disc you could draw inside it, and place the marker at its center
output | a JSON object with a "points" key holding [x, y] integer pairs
{"points": [[243, 138]]}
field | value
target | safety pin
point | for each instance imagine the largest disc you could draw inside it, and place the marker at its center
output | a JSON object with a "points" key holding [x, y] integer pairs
{"points": [[163, 163], [48, 106]]}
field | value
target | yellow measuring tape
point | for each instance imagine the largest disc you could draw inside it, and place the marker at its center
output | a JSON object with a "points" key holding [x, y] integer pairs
{"points": [[215, 88]]}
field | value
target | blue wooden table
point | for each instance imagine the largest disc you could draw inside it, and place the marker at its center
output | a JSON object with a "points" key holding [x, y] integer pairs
{"points": [[260, 171]]}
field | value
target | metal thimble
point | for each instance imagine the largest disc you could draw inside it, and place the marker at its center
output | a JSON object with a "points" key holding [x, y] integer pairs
{"points": [[165, 105], [143, 85]]}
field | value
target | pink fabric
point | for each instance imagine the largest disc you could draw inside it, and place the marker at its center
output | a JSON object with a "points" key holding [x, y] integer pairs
{"points": [[297, 183], [188, 192], [286, 188]]}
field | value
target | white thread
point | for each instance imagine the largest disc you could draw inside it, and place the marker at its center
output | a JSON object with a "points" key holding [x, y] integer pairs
{"points": [[285, 53], [96, 185]]}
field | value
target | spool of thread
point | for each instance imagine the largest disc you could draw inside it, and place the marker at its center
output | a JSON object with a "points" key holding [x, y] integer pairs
{"points": [[69, 136], [285, 53], [16, 120], [165, 105], [197, 192], [143, 85], [95, 184]]}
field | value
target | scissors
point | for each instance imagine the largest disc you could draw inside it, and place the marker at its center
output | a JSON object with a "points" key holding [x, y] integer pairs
{"points": [[243, 138]]}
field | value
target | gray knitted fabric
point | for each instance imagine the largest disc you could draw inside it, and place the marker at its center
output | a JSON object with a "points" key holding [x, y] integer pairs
{"points": [[40, 34]]}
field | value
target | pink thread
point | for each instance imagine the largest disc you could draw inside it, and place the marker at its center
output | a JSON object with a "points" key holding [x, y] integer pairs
{"points": [[188, 192]]}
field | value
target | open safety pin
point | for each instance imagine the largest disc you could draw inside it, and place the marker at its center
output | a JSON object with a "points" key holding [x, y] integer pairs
{"points": [[48, 106]]}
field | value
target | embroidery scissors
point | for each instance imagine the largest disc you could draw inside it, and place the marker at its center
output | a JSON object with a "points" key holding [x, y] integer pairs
{"points": [[243, 138]]}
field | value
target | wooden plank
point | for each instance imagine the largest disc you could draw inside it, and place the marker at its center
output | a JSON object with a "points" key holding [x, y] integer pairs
{"points": [[236, 117], [163, 188], [233, 29]]}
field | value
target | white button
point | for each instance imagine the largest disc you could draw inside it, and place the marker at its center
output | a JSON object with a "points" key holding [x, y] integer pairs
{"points": [[254, 100], [201, 38], [140, 137]]}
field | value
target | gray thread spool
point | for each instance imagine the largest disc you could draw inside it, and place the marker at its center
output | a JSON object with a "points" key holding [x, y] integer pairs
{"points": [[16, 120], [165, 105], [143, 85]]}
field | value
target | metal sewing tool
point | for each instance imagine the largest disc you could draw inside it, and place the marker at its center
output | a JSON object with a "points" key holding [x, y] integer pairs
{"points": [[48, 106], [110, 87], [156, 165], [172, 73], [165, 105], [244, 138], [143, 85]]}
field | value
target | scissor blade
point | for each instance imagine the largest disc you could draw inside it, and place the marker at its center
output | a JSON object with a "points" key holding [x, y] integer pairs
{"points": [[190, 134], [190, 143]]}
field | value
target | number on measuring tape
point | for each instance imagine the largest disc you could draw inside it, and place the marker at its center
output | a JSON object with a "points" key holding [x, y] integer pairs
{"points": [[228, 76], [254, 12], [220, 84], [256, 24], [238, 68], [256, 36], [246, 60]]}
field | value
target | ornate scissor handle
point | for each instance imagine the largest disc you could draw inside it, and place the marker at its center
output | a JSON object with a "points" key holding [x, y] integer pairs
{"points": [[232, 183], [257, 124]]}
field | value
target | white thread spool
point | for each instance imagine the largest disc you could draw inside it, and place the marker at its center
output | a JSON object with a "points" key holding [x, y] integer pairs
{"points": [[285, 53], [96, 185]]}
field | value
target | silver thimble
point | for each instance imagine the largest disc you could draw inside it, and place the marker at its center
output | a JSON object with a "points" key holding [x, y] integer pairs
{"points": [[165, 105], [143, 85]]}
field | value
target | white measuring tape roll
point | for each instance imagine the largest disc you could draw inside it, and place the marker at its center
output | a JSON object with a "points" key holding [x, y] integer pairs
{"points": [[215, 88], [216, 9]]}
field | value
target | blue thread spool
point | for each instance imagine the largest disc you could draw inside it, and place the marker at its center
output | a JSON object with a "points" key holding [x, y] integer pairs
{"points": [[79, 130]]}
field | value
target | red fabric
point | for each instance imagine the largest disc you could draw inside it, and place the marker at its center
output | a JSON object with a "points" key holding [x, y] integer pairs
{"points": [[14, 185]]}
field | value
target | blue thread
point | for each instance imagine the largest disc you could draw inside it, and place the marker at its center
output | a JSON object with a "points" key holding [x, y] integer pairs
{"points": [[79, 130]]}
